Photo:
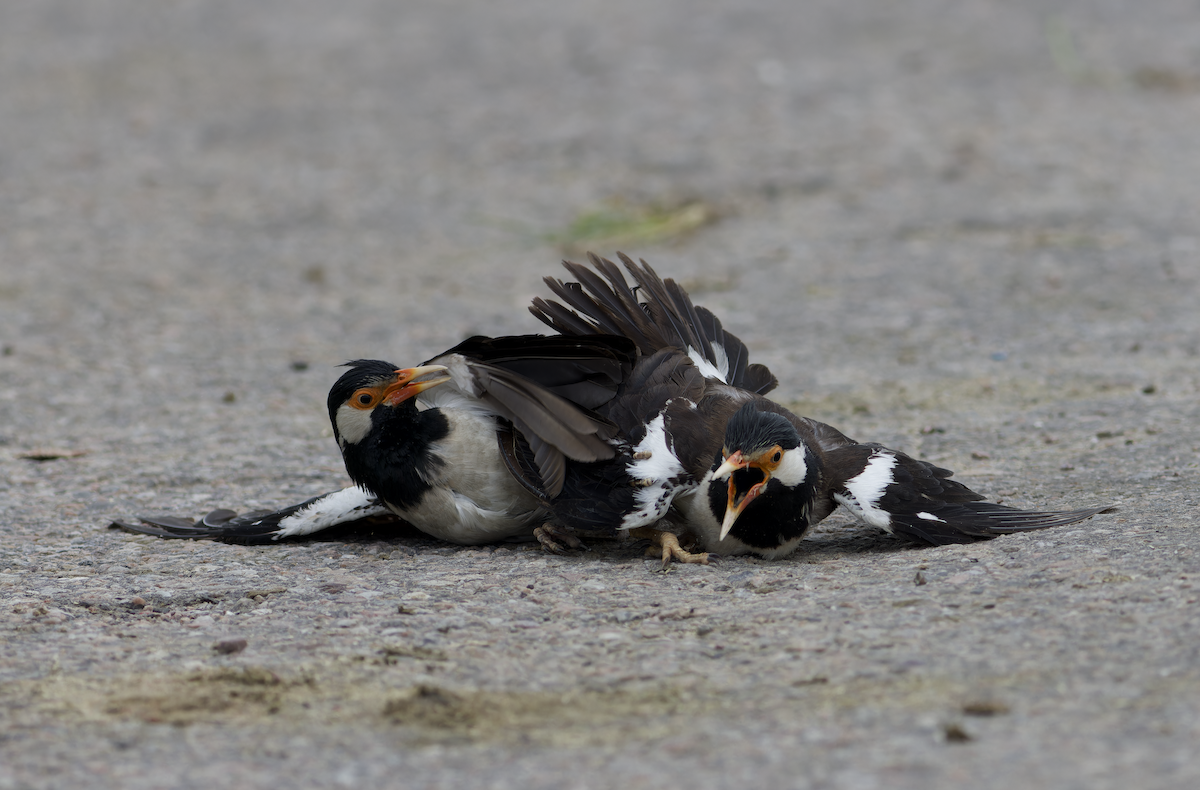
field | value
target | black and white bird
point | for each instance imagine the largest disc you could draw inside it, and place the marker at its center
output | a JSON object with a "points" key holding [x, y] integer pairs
{"points": [[777, 475], [575, 434], [745, 474], [437, 445], [644, 407]]}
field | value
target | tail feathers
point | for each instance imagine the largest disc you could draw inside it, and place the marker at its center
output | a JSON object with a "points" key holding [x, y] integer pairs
{"points": [[613, 310], [263, 526], [964, 522], [664, 316], [757, 378], [698, 328], [742, 373], [561, 319], [176, 527], [670, 307]]}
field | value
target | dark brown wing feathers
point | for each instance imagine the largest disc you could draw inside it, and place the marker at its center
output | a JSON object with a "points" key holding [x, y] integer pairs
{"points": [[545, 387], [659, 315]]}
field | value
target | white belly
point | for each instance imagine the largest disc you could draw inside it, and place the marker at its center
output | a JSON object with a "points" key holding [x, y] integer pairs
{"points": [[474, 497]]}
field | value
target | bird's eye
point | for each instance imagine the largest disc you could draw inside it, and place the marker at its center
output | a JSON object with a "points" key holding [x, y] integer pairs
{"points": [[777, 457], [363, 399]]}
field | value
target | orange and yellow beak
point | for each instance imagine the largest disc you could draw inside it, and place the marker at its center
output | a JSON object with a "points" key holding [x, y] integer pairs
{"points": [[405, 386], [738, 500]]}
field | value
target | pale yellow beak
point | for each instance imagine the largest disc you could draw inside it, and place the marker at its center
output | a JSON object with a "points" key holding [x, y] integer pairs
{"points": [[733, 463]]}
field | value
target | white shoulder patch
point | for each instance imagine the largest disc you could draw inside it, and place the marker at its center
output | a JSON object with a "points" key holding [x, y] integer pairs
{"points": [[660, 462], [460, 373], [864, 490], [448, 398], [660, 474]]}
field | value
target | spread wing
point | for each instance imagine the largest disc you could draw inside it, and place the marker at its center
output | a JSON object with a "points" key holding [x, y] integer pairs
{"points": [[891, 490], [662, 315], [520, 379], [339, 508]]}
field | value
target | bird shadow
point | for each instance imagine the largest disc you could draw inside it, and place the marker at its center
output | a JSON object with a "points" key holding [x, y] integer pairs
{"points": [[825, 542]]}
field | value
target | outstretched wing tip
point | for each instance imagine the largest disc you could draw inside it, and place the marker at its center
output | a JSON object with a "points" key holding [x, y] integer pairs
{"points": [[336, 508], [967, 522]]}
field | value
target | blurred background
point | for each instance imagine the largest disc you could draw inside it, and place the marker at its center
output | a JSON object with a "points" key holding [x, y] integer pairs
{"points": [[967, 229]]}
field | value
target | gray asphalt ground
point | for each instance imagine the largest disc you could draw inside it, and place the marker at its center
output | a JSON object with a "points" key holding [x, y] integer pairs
{"points": [[969, 230]]}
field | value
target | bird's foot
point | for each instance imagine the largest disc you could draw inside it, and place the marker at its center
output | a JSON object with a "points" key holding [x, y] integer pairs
{"points": [[666, 545], [557, 540]]}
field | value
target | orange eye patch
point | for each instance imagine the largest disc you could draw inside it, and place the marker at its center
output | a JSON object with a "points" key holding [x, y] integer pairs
{"points": [[365, 398]]}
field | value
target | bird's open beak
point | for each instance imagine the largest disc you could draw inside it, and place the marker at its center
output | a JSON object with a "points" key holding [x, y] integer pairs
{"points": [[738, 500], [731, 465], [406, 386], [736, 505]]}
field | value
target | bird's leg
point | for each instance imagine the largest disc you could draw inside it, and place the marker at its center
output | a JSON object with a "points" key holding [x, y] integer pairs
{"points": [[668, 546], [553, 539]]}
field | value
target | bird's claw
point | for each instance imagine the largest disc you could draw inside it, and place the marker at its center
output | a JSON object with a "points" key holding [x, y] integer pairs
{"points": [[668, 548], [552, 540]]}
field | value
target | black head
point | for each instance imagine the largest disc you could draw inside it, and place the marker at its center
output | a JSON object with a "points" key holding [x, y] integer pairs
{"points": [[751, 431], [770, 473], [372, 383], [363, 374], [385, 440]]}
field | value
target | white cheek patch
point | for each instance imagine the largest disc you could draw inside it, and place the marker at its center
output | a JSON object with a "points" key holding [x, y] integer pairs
{"points": [[353, 424], [864, 490], [793, 469]]}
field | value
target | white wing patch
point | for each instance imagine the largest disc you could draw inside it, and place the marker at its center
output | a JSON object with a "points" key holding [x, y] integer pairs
{"points": [[661, 462], [661, 472], [720, 371], [448, 399], [864, 490], [722, 360], [460, 373], [930, 517], [349, 504]]}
